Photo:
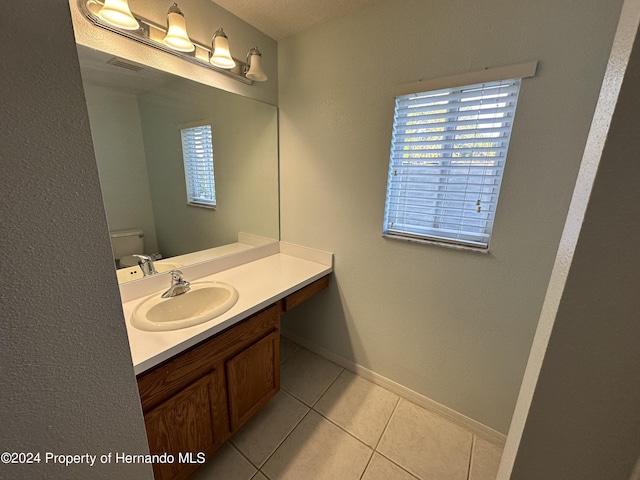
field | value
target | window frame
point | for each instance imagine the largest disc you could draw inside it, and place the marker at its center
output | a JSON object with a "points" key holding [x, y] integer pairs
{"points": [[209, 200], [425, 233]]}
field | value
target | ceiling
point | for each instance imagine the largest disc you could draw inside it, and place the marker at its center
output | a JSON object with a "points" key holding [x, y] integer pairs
{"points": [[282, 18]]}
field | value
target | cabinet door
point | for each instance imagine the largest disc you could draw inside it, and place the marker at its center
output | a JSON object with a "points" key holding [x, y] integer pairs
{"points": [[192, 421], [253, 377]]}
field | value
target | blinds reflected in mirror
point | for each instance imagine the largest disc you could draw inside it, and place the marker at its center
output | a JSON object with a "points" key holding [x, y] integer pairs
{"points": [[197, 153]]}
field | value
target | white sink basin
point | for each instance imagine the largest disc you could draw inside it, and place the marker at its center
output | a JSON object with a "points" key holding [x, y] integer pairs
{"points": [[203, 302]]}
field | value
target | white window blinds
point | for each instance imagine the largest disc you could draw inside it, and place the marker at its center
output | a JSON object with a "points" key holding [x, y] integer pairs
{"points": [[447, 157], [197, 153]]}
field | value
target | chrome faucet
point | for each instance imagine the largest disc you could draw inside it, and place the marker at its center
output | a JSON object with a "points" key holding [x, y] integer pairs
{"points": [[178, 285], [146, 265]]}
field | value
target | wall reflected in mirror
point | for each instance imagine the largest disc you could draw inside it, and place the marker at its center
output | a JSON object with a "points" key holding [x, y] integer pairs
{"points": [[135, 114]]}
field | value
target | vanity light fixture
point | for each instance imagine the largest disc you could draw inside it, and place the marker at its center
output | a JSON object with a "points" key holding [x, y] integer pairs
{"points": [[220, 54], [253, 69], [176, 36], [115, 16], [118, 14]]}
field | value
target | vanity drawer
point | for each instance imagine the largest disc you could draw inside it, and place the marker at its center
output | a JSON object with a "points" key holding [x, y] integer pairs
{"points": [[299, 296]]}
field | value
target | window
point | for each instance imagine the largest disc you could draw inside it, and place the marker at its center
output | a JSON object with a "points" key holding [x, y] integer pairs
{"points": [[197, 153], [448, 152]]}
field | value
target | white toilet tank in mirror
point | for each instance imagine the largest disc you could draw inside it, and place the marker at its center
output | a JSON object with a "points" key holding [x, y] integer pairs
{"points": [[126, 243]]}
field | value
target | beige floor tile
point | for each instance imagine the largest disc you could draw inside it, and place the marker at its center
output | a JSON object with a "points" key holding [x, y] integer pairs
{"points": [[426, 444], [381, 468], [318, 450], [226, 463], [287, 348], [359, 406], [485, 460], [259, 476], [260, 437], [306, 375]]}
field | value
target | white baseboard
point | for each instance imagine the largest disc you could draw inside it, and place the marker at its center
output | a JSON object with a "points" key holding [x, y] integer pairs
{"points": [[473, 426]]}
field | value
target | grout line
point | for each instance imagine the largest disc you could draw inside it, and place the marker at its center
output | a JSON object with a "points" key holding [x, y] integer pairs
{"points": [[473, 447], [374, 449], [343, 429], [350, 434], [472, 426], [328, 387], [283, 360], [334, 423], [327, 418], [283, 440], [395, 407], [243, 456], [259, 467], [398, 465], [367, 465], [265, 475], [256, 474], [342, 369]]}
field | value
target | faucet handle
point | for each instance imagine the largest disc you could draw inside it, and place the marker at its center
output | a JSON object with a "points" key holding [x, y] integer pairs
{"points": [[178, 285], [176, 276], [146, 264], [178, 280]]}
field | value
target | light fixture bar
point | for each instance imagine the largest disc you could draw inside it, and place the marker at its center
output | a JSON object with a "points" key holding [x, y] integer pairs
{"points": [[151, 34]]}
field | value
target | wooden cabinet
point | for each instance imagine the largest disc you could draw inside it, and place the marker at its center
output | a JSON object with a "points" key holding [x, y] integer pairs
{"points": [[253, 377], [193, 420], [195, 401]]}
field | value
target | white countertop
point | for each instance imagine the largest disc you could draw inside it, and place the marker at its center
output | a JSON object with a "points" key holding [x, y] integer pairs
{"points": [[260, 282]]}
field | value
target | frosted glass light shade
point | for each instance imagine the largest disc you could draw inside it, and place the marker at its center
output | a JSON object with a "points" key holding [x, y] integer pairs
{"points": [[220, 54], [176, 37], [118, 14], [255, 72]]}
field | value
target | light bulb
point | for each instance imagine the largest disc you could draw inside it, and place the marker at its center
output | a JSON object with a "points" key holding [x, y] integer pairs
{"points": [[176, 37], [118, 14], [254, 60], [220, 54]]}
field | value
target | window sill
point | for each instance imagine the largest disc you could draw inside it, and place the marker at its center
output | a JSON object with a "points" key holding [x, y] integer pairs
{"points": [[201, 205], [454, 246]]}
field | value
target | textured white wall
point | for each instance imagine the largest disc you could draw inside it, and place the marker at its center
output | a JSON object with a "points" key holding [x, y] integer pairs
{"points": [[583, 418], [120, 154], [67, 381], [619, 59], [454, 326]]}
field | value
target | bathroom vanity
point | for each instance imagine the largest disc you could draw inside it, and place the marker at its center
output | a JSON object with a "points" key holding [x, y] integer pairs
{"points": [[200, 384]]}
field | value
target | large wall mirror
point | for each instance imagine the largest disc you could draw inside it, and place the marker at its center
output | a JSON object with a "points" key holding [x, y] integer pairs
{"points": [[136, 114]]}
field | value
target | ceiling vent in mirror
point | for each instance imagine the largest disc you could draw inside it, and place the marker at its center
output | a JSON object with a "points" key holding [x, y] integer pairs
{"points": [[118, 62]]}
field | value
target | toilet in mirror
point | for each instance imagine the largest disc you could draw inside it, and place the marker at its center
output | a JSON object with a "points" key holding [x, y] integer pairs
{"points": [[127, 245]]}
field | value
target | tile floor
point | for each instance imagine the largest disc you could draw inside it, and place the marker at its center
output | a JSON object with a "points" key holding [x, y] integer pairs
{"points": [[327, 423]]}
